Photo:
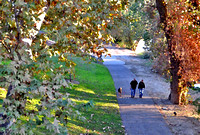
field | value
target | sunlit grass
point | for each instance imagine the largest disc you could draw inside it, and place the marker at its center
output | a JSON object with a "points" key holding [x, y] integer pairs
{"points": [[76, 128], [85, 90], [114, 105], [80, 101], [97, 85], [111, 95]]}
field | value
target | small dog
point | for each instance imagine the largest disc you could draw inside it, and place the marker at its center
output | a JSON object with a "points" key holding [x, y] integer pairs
{"points": [[120, 91]]}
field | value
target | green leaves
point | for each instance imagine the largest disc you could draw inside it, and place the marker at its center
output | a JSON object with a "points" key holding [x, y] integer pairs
{"points": [[34, 67]]}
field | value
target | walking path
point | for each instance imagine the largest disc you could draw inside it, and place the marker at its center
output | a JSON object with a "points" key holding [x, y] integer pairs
{"points": [[139, 116]]}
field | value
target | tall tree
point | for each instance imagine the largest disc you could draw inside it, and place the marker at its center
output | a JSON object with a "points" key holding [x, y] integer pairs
{"points": [[36, 39], [180, 21], [139, 23]]}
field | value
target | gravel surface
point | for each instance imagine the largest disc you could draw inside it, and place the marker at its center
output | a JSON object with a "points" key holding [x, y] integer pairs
{"points": [[182, 120]]}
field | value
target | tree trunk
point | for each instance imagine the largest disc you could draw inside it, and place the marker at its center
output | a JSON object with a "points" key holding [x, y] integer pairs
{"points": [[174, 94], [175, 63]]}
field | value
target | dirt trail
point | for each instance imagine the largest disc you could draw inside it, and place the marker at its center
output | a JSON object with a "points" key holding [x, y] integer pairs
{"points": [[183, 120]]}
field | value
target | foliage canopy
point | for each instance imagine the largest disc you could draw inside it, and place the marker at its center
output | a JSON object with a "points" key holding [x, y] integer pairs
{"points": [[36, 40]]}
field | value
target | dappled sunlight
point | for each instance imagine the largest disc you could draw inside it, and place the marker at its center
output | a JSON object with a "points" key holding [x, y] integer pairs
{"points": [[80, 101], [110, 95], [85, 90], [3, 93], [24, 118], [75, 127], [124, 52], [112, 105], [80, 129], [31, 104], [118, 52], [140, 47]]}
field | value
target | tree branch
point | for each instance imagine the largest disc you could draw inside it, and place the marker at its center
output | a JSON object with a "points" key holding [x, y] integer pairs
{"points": [[161, 7], [6, 48], [18, 33]]}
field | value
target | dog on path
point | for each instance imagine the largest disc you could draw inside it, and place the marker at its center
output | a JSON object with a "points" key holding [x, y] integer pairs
{"points": [[120, 91]]}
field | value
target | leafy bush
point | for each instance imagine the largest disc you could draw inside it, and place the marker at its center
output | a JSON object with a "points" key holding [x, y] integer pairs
{"points": [[96, 90], [195, 89], [145, 55], [197, 104], [161, 65]]}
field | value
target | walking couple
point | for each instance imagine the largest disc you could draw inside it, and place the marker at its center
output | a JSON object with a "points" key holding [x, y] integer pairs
{"points": [[141, 88]]}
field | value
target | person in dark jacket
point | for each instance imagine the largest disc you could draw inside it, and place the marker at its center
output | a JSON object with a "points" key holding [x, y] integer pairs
{"points": [[133, 84], [141, 88]]}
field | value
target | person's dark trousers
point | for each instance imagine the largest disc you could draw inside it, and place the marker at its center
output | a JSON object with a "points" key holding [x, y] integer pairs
{"points": [[141, 91], [132, 93]]}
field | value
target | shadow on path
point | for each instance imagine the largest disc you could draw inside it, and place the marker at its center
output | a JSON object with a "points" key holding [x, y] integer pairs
{"points": [[139, 116]]}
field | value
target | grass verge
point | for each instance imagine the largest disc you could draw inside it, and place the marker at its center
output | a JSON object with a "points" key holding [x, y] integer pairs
{"points": [[96, 85]]}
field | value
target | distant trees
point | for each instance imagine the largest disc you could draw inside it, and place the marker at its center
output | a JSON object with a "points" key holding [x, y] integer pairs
{"points": [[133, 25], [171, 31]]}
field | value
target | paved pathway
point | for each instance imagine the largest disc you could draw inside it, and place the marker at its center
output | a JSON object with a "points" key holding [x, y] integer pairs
{"points": [[139, 116]]}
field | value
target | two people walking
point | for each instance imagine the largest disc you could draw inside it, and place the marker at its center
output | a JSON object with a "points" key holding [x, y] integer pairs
{"points": [[133, 86]]}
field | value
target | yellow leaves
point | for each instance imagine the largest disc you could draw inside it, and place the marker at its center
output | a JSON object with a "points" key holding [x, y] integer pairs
{"points": [[87, 19], [12, 23], [3, 93]]}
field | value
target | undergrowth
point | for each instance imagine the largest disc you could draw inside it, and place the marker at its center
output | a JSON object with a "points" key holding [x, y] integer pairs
{"points": [[96, 101]]}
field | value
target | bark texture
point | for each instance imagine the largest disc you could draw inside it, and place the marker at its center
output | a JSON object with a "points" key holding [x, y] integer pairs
{"points": [[174, 62]]}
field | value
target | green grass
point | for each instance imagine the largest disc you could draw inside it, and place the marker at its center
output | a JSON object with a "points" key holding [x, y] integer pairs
{"points": [[96, 85], [144, 55]]}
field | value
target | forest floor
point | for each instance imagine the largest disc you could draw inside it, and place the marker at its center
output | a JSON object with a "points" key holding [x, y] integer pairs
{"points": [[182, 120]]}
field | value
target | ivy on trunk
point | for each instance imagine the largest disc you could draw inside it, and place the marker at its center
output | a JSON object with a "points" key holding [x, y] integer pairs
{"points": [[181, 32]]}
